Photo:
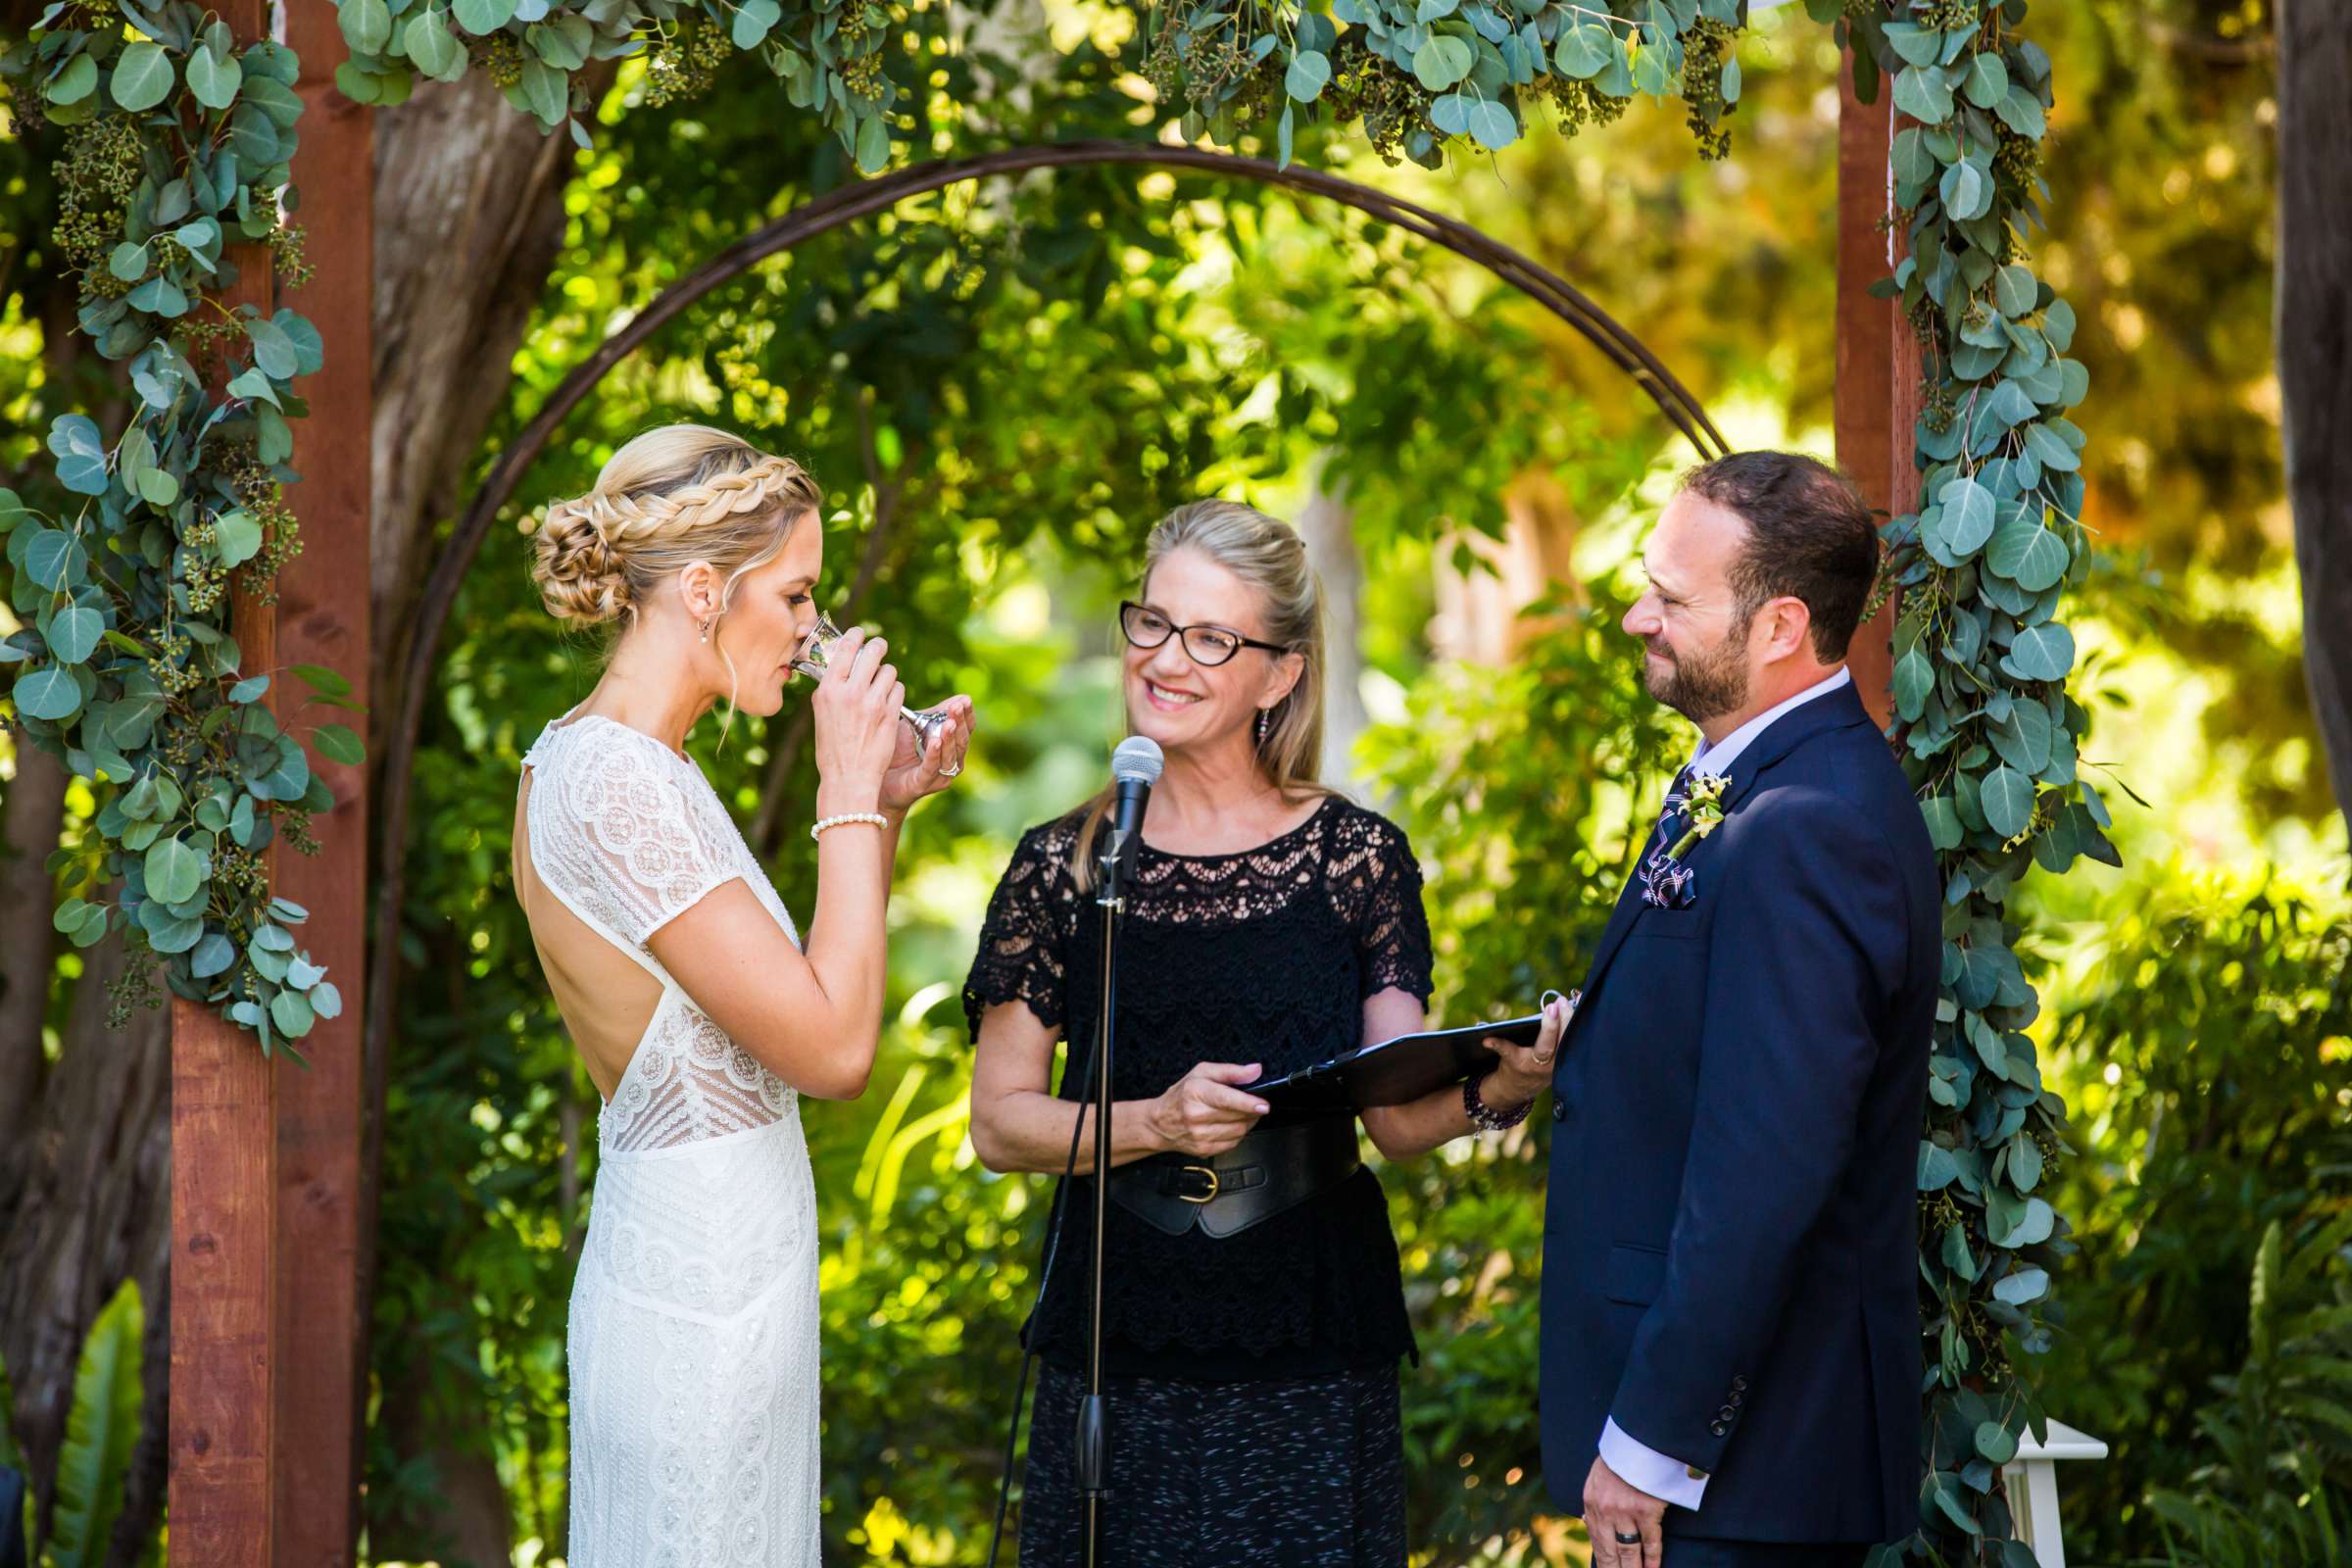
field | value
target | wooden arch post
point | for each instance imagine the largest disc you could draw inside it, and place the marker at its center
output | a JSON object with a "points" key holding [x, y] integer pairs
{"points": [[1878, 355], [266, 1324]]}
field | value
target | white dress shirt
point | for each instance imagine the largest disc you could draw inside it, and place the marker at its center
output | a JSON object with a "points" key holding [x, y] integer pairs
{"points": [[1636, 1464]]}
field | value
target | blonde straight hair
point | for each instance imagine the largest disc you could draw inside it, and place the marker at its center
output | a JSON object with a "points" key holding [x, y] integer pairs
{"points": [[1269, 556], [672, 496]]}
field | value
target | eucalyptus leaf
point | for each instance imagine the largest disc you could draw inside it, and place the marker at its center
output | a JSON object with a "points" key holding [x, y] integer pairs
{"points": [[1583, 51], [340, 744], [2040, 653], [1922, 93], [479, 16], [1492, 124], [291, 1012], [2007, 797], [173, 871], [2027, 552], [80, 454], [73, 633], [212, 81], [1309, 75], [50, 693], [429, 45], [144, 75], [73, 84], [1441, 62]]}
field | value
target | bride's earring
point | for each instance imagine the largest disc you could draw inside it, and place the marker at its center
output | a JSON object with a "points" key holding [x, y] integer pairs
{"points": [[705, 632], [1266, 723]]}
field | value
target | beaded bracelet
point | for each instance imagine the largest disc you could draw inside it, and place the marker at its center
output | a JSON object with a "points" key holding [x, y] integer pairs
{"points": [[1483, 1115], [875, 818]]}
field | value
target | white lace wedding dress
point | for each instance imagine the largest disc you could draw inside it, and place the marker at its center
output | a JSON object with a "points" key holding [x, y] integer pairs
{"points": [[693, 1344]]}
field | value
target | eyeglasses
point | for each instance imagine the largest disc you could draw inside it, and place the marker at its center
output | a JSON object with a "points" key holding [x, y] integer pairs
{"points": [[1208, 645]]}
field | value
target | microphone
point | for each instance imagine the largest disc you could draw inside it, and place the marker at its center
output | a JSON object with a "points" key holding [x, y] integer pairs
{"points": [[1134, 768]]}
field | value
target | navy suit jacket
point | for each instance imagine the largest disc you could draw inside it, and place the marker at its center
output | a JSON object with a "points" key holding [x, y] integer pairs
{"points": [[1730, 1247]]}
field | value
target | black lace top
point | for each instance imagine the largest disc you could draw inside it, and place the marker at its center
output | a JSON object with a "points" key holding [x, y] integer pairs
{"points": [[1267, 957]]}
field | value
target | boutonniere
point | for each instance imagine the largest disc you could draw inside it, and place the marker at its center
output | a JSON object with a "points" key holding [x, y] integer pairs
{"points": [[1668, 881], [1703, 807]]}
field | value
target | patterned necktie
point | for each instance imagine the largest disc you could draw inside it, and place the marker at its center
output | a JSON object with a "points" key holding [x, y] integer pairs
{"points": [[1666, 882]]}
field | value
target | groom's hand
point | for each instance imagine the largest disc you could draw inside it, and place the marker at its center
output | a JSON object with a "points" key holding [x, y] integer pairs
{"points": [[1522, 1072], [1615, 1509]]}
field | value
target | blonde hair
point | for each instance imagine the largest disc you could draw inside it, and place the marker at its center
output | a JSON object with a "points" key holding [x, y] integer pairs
{"points": [[672, 496], [1268, 556]]}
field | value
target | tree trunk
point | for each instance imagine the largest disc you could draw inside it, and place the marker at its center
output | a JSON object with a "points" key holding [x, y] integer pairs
{"points": [[468, 1524], [89, 1207], [29, 818], [2315, 350], [1327, 523], [468, 219]]}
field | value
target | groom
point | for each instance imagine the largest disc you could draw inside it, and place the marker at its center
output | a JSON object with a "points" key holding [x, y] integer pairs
{"points": [[1731, 1362]]}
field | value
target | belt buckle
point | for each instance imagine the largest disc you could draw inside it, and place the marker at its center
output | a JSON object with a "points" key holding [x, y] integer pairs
{"points": [[1208, 1171]]}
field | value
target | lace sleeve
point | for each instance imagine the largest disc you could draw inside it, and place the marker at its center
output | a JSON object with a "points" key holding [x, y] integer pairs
{"points": [[630, 845], [1024, 943], [1391, 928]]}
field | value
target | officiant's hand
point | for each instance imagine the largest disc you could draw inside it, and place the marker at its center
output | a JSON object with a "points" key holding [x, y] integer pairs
{"points": [[1204, 1113], [1525, 1071], [1614, 1509]]}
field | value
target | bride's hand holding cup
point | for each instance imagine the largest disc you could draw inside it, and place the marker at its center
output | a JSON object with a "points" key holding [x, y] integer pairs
{"points": [[857, 724], [928, 762]]}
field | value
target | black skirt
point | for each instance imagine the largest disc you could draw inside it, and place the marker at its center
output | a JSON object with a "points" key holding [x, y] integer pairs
{"points": [[1301, 1474]]}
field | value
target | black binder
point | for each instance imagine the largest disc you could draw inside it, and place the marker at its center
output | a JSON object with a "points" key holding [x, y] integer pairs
{"points": [[1394, 1072]]}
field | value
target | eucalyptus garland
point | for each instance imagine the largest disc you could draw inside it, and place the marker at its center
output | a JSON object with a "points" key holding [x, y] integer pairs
{"points": [[827, 54], [175, 148]]}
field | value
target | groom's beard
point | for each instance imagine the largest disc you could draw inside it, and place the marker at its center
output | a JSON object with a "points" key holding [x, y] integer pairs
{"points": [[1701, 685]]}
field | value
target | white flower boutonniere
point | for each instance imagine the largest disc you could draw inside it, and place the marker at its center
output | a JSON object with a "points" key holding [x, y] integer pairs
{"points": [[1703, 807]]}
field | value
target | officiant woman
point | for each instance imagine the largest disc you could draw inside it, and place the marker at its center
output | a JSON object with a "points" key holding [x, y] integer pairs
{"points": [[1255, 1317]]}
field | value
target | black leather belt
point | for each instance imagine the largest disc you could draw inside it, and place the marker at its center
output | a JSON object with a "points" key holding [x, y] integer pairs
{"points": [[1272, 1169]]}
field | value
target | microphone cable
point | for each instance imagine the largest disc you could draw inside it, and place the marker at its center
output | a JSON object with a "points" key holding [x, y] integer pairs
{"points": [[1045, 1277]]}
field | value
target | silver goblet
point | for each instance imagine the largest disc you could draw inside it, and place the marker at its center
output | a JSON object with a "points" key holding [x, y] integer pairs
{"points": [[816, 657]]}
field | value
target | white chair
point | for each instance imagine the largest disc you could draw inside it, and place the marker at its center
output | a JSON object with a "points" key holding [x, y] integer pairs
{"points": [[2033, 1480]]}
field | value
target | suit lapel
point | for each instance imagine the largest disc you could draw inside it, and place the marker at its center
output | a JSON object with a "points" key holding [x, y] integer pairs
{"points": [[1839, 709]]}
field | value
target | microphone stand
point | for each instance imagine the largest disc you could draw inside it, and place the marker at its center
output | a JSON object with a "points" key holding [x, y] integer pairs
{"points": [[1094, 1416]]}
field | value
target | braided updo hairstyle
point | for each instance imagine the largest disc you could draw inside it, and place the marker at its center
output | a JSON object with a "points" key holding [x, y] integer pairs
{"points": [[672, 495]]}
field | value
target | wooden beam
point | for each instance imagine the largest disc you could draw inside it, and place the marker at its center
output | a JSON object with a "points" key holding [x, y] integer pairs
{"points": [[322, 618], [223, 1305], [1878, 356]]}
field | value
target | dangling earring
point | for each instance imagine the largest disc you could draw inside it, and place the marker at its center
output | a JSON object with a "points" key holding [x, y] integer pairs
{"points": [[1266, 723], [706, 630]]}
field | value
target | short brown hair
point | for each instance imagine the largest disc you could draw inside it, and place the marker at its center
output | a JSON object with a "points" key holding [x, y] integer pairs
{"points": [[1809, 538]]}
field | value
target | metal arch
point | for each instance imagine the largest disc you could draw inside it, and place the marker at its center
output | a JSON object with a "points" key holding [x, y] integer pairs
{"points": [[864, 199]]}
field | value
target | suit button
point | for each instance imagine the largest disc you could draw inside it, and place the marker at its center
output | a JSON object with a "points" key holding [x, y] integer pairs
{"points": [[1720, 1430], [1726, 1413], [1738, 1384], [1696, 1473], [1559, 1108]]}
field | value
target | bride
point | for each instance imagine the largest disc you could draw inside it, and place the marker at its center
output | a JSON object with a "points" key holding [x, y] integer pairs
{"points": [[696, 1010]]}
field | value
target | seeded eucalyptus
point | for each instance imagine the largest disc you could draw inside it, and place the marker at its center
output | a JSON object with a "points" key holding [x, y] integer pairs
{"points": [[175, 149]]}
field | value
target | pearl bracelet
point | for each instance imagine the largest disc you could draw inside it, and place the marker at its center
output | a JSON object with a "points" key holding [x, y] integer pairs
{"points": [[875, 818]]}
